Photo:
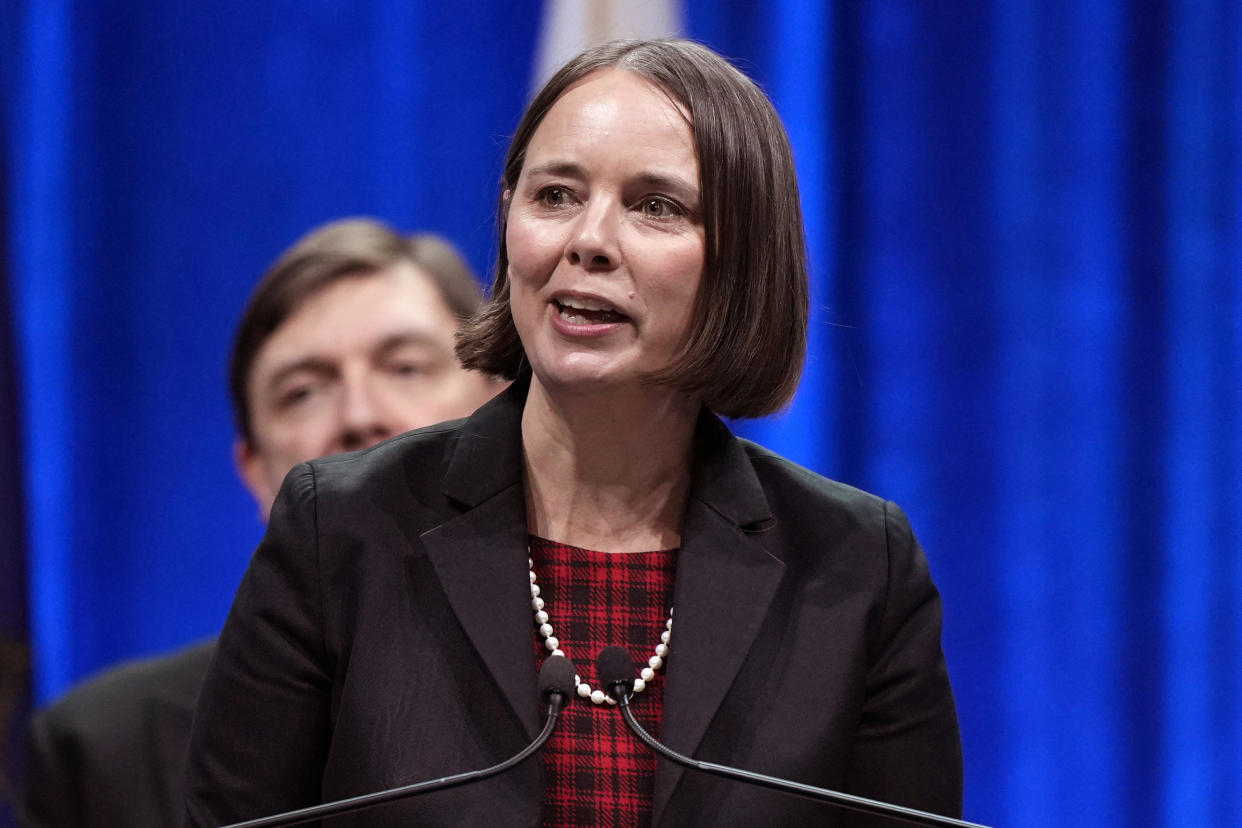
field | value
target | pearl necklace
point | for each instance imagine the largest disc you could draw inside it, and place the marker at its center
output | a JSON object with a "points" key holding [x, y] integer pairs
{"points": [[553, 644]]}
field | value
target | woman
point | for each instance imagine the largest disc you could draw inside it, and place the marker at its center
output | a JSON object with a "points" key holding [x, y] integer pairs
{"points": [[651, 276]]}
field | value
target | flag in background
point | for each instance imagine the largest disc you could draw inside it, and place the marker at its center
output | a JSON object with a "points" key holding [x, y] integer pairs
{"points": [[569, 26]]}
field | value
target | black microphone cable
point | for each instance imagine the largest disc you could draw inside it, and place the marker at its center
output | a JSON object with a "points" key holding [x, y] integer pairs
{"points": [[556, 686], [616, 670]]}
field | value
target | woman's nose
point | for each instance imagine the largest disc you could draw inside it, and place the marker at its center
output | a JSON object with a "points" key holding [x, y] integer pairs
{"points": [[593, 242]]}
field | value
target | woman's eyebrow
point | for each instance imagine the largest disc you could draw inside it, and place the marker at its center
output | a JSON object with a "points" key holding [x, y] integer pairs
{"points": [[666, 181], [558, 168], [654, 180]]}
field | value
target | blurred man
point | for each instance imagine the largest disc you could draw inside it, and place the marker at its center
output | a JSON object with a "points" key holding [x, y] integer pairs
{"points": [[346, 341]]}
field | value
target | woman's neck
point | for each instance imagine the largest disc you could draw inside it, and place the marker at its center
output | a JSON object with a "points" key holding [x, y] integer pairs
{"points": [[608, 471]]}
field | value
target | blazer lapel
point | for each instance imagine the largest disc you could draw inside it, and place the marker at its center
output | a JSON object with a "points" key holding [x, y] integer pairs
{"points": [[480, 559], [479, 554], [726, 579]]}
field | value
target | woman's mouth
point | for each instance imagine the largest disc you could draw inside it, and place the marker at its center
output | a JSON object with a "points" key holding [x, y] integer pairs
{"points": [[577, 310]]}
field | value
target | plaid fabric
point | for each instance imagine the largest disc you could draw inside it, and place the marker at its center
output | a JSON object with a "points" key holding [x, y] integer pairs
{"points": [[596, 771]]}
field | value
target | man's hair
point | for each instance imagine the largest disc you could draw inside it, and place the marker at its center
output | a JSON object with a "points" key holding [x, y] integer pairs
{"points": [[338, 250], [747, 341]]}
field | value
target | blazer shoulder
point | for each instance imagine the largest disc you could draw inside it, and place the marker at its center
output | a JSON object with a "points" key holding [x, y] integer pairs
{"points": [[787, 482], [416, 459]]}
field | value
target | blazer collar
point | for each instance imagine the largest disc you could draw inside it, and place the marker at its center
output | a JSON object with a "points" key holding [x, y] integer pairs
{"points": [[486, 458], [479, 552], [726, 578]]}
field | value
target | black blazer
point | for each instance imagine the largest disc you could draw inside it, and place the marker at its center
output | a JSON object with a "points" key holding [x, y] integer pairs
{"points": [[111, 751], [383, 635]]}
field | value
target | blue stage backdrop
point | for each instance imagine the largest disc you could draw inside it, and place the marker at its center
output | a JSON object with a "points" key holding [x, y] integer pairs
{"points": [[15, 696], [1025, 227]]}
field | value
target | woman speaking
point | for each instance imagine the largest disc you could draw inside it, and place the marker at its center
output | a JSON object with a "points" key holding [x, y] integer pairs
{"points": [[651, 278]]}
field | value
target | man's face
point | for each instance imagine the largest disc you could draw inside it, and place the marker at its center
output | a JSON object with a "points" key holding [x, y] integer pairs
{"points": [[365, 358]]}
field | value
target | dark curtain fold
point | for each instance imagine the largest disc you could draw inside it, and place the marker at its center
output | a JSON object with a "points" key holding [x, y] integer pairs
{"points": [[15, 684], [15, 695], [1025, 229]]}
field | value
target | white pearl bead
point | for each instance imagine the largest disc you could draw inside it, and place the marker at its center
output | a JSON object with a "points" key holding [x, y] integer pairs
{"points": [[544, 624]]}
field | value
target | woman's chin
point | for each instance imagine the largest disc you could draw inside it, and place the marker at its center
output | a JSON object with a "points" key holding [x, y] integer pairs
{"points": [[588, 373], [583, 379], [610, 385]]}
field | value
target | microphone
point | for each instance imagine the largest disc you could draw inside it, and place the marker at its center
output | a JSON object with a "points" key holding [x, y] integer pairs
{"points": [[616, 671], [556, 685]]}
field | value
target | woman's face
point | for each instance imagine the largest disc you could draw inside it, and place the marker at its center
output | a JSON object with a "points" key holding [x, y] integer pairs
{"points": [[605, 235]]}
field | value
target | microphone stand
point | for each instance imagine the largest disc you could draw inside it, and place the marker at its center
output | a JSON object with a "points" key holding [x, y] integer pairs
{"points": [[615, 668], [857, 803], [358, 803]]}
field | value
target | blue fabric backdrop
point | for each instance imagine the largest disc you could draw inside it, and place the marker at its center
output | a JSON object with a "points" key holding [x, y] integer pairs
{"points": [[1025, 226], [15, 696]]}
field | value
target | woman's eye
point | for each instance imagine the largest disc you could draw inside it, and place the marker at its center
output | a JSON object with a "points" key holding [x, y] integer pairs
{"points": [[553, 196], [659, 207]]}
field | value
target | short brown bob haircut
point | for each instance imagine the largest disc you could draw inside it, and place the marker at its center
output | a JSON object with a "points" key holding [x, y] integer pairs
{"points": [[744, 353], [334, 251]]}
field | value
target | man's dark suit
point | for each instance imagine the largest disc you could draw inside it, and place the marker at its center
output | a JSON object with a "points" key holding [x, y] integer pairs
{"points": [[382, 635], [112, 751]]}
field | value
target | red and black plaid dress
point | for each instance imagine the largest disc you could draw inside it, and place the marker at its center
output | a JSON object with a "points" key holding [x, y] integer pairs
{"points": [[596, 771]]}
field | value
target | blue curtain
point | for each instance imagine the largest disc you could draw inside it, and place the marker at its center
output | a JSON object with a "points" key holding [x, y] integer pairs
{"points": [[15, 695], [1025, 227]]}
